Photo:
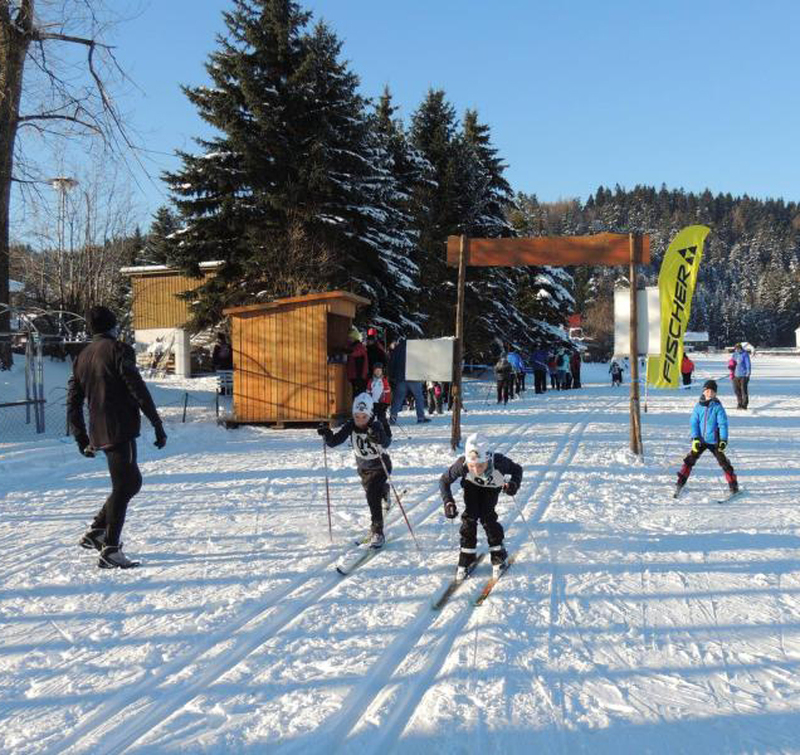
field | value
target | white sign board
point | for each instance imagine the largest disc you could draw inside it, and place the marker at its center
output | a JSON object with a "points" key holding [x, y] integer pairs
{"points": [[649, 325], [430, 359]]}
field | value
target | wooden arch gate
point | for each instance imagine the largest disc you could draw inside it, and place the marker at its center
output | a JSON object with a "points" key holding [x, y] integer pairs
{"points": [[600, 249]]}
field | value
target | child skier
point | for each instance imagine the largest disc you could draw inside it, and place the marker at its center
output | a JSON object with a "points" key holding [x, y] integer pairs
{"points": [[368, 439], [482, 477], [709, 431], [381, 394]]}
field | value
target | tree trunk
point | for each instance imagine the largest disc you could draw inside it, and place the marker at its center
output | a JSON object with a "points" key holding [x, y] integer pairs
{"points": [[15, 36]]}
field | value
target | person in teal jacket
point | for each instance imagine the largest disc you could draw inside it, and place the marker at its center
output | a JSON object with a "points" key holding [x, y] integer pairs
{"points": [[709, 431]]}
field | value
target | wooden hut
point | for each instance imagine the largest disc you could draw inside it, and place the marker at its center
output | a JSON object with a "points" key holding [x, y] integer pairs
{"points": [[156, 290], [289, 358], [159, 312]]}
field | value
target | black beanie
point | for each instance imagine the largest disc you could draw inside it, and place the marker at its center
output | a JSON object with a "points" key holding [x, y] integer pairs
{"points": [[101, 320], [710, 384]]}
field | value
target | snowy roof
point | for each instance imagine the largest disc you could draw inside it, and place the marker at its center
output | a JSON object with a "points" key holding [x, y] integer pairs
{"points": [[150, 269], [695, 336], [278, 303], [15, 286]]}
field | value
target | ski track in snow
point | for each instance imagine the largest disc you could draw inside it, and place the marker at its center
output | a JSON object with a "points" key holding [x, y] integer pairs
{"points": [[629, 622]]}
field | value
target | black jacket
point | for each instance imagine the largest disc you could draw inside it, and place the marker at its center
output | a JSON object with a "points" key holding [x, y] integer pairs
{"points": [[491, 480], [364, 448], [397, 362], [106, 376]]}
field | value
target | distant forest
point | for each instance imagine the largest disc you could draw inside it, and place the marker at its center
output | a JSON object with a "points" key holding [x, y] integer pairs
{"points": [[749, 281]]}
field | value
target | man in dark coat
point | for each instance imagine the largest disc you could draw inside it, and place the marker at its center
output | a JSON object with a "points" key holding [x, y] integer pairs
{"points": [[105, 375]]}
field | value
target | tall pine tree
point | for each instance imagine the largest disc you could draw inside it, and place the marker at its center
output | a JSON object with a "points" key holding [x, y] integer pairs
{"points": [[294, 194]]}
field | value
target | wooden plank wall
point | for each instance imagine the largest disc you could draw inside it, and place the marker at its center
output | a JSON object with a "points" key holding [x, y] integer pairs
{"points": [[280, 363], [155, 302]]}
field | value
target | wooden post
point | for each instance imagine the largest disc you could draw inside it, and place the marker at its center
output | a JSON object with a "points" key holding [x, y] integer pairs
{"points": [[458, 350], [636, 420]]}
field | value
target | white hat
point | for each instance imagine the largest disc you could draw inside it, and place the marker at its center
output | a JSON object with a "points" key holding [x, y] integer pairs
{"points": [[362, 404], [476, 449]]}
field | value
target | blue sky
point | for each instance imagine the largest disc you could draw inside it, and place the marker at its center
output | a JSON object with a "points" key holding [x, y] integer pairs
{"points": [[577, 94]]}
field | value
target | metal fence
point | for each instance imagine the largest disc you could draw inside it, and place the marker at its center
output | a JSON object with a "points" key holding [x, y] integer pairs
{"points": [[34, 419]]}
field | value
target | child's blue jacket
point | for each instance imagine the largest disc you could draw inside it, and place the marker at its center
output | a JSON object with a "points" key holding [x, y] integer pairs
{"points": [[710, 422]]}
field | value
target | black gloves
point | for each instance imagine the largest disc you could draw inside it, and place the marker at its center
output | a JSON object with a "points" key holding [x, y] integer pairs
{"points": [[161, 436], [84, 446], [722, 445], [372, 434], [510, 488], [450, 510], [696, 445], [324, 431]]}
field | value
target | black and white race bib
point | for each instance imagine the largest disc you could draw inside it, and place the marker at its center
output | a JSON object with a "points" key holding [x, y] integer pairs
{"points": [[363, 448], [491, 478]]}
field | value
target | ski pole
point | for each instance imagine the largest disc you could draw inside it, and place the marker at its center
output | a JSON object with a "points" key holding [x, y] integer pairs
{"points": [[327, 488], [397, 498], [524, 520], [397, 425]]}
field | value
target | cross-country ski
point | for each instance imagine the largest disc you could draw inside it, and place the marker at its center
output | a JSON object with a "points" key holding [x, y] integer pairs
{"points": [[455, 583], [494, 579]]}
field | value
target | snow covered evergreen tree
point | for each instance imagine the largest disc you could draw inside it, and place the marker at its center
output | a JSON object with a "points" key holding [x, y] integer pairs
{"points": [[158, 244], [295, 192]]}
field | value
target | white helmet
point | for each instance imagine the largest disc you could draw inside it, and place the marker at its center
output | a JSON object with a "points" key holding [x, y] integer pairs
{"points": [[363, 404], [476, 449]]}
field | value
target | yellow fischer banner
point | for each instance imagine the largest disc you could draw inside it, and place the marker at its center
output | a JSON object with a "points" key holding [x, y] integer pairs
{"points": [[676, 287]]}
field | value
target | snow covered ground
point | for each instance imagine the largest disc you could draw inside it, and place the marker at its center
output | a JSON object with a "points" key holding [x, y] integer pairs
{"points": [[630, 622]]}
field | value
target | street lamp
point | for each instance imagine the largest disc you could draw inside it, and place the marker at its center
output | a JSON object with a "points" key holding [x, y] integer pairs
{"points": [[62, 184]]}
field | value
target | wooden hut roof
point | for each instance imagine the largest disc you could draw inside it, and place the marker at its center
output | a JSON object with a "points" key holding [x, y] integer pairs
{"points": [[359, 301]]}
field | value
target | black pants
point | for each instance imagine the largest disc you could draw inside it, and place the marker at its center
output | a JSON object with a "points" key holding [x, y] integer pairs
{"points": [[375, 484], [576, 378], [520, 382], [687, 378], [503, 390], [742, 395], [479, 506], [722, 460], [540, 381], [126, 482]]}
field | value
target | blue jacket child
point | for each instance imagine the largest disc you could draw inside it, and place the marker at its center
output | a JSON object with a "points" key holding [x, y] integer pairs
{"points": [[709, 421], [709, 432]]}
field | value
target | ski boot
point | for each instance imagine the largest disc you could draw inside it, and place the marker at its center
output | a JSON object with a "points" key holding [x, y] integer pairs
{"points": [[499, 556], [377, 539], [94, 538], [112, 557], [465, 561]]}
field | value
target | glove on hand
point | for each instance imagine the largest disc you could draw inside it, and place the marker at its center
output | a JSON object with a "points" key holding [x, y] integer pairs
{"points": [[161, 436], [323, 431], [696, 443], [450, 510], [85, 447], [510, 488], [372, 433], [722, 445]]}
